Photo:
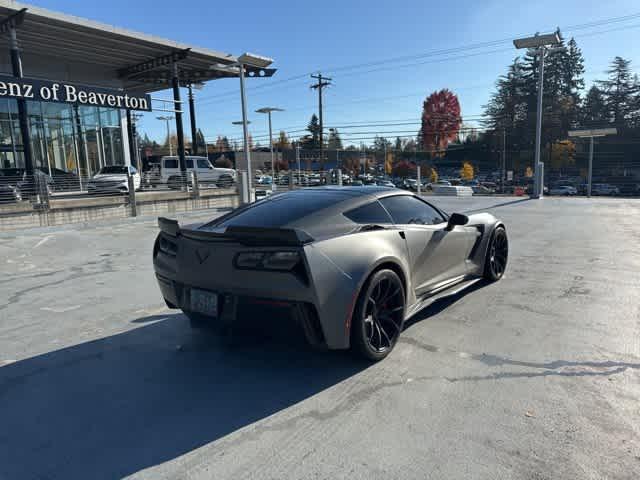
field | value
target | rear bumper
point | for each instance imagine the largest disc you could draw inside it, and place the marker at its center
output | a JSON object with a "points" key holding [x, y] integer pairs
{"points": [[230, 304]]}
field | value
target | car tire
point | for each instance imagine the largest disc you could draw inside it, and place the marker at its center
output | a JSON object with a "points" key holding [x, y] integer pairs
{"points": [[378, 317], [495, 262]]}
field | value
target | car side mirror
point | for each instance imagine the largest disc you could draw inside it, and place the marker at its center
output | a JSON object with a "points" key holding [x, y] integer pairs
{"points": [[456, 219]]}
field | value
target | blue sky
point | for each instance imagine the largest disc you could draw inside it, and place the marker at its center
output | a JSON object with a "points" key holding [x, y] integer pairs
{"points": [[305, 37]]}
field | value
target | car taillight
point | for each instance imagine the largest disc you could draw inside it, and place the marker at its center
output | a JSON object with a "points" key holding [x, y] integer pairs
{"points": [[167, 247], [280, 261]]}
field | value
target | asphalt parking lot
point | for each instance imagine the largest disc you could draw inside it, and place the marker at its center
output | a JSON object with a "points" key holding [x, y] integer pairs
{"points": [[535, 377]]}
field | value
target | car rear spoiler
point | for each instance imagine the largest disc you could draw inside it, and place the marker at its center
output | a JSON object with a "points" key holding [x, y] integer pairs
{"points": [[169, 226], [262, 236]]}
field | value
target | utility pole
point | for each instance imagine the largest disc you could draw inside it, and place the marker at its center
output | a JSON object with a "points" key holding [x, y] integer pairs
{"points": [[322, 82], [503, 174]]}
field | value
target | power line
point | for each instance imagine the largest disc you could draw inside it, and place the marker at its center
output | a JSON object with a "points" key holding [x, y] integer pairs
{"points": [[451, 50]]}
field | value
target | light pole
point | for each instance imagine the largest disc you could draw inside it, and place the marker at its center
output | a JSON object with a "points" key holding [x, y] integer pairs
{"points": [[541, 43], [591, 134], [253, 61], [268, 111], [168, 118], [246, 141]]}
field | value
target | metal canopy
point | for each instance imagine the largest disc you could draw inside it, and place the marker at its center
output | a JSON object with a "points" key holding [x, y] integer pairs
{"points": [[75, 39]]}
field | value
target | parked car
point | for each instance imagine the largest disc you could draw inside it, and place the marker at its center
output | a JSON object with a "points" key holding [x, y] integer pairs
{"points": [[18, 178], [171, 175], [385, 183], [9, 194], [279, 249], [314, 180], [412, 184], [629, 189], [481, 190], [565, 190], [114, 179], [604, 189]]}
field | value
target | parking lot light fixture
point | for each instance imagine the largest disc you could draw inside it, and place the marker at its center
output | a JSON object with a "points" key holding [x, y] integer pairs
{"points": [[268, 111], [168, 118], [542, 44], [591, 134]]}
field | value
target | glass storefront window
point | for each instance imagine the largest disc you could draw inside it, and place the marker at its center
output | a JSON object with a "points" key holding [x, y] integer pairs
{"points": [[10, 139], [65, 138]]}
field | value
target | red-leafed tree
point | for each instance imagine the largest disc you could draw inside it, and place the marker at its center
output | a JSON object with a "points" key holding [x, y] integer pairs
{"points": [[441, 121], [404, 169]]}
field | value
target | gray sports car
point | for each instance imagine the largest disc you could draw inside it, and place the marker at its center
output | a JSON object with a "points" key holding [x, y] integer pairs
{"points": [[350, 263]]}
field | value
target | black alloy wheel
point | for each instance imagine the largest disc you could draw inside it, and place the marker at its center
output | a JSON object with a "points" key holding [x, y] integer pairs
{"points": [[379, 315], [497, 255]]}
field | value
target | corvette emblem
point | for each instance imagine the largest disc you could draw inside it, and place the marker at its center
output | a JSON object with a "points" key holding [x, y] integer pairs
{"points": [[202, 254]]}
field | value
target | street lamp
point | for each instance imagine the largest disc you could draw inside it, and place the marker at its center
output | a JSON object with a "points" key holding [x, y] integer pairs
{"points": [[168, 118], [253, 61], [268, 111], [240, 123], [591, 134], [541, 43]]}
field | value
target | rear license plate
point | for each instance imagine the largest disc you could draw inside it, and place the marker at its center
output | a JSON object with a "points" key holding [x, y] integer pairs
{"points": [[204, 302]]}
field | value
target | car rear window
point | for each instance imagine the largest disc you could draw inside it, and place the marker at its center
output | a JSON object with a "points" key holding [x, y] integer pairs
{"points": [[171, 163], [278, 210]]}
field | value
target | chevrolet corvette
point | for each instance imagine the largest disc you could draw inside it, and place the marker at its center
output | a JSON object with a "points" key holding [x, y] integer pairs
{"points": [[351, 264]]}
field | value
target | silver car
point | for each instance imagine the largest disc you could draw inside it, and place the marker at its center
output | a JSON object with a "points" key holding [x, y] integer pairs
{"points": [[351, 264]]}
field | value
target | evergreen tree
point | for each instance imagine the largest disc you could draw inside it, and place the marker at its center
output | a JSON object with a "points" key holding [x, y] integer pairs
{"points": [[222, 144], [200, 141], [380, 143], [311, 141], [334, 142], [620, 93], [594, 110], [507, 106]]}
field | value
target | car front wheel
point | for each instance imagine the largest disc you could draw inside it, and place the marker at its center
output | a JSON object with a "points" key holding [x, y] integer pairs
{"points": [[378, 316]]}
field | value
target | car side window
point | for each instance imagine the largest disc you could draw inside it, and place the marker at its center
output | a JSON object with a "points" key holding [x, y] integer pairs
{"points": [[370, 213], [202, 163], [171, 163], [189, 162], [407, 209]]}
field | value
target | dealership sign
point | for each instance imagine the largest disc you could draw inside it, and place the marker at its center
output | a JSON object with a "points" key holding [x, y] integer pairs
{"points": [[52, 91]]}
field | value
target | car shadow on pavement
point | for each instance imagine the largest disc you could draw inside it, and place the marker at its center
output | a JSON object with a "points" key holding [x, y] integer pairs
{"points": [[114, 406], [442, 303]]}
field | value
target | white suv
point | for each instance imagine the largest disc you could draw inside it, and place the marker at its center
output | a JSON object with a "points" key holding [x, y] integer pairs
{"points": [[206, 173]]}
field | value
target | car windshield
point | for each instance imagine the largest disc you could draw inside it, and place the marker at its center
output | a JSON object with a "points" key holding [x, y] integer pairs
{"points": [[114, 169]]}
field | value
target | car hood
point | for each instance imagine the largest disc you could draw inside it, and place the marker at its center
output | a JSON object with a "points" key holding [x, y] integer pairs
{"points": [[109, 177]]}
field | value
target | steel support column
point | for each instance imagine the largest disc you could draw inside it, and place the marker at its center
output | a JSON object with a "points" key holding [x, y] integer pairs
{"points": [[192, 117], [16, 65], [131, 134], [178, 110]]}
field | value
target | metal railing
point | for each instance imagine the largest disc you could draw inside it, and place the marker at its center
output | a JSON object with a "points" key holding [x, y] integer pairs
{"points": [[61, 200]]}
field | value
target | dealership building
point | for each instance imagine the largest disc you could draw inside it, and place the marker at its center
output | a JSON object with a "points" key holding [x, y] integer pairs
{"points": [[70, 89]]}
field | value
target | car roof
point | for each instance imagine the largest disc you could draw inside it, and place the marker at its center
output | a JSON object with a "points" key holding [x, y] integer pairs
{"points": [[376, 191]]}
